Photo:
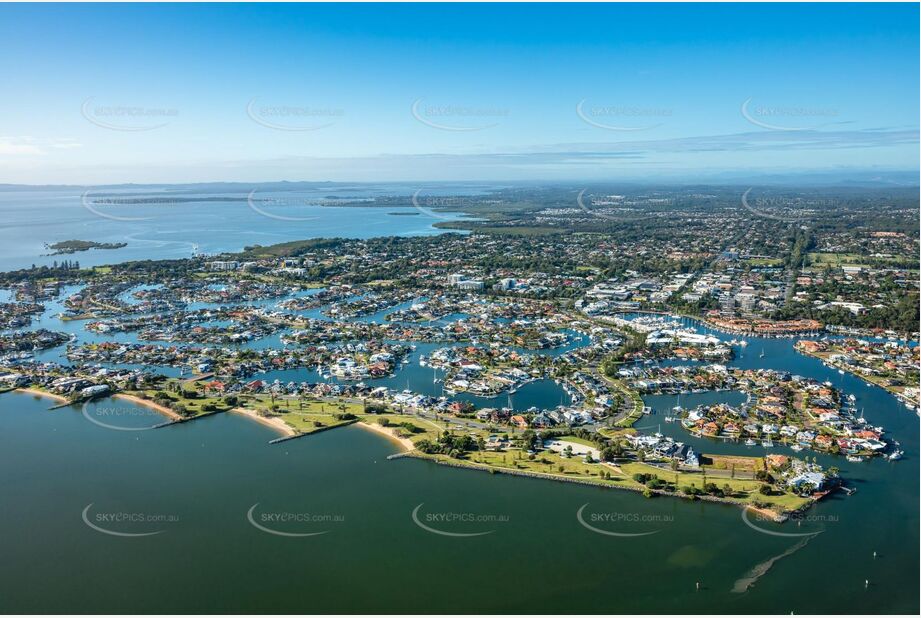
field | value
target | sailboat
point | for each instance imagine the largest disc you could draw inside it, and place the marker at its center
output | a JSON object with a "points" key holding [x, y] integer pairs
{"points": [[762, 353], [677, 409]]}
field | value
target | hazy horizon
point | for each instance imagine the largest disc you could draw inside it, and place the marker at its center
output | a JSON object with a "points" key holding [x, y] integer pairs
{"points": [[160, 94]]}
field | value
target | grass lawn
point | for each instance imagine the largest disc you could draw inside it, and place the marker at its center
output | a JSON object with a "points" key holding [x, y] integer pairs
{"points": [[194, 407], [304, 415], [745, 490], [576, 440], [544, 462], [555, 465], [425, 429], [769, 262], [742, 465], [835, 259]]}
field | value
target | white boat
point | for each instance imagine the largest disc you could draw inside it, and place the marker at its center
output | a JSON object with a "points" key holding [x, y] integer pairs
{"points": [[796, 447], [851, 397], [767, 443], [841, 371], [854, 458], [894, 455], [750, 442]]}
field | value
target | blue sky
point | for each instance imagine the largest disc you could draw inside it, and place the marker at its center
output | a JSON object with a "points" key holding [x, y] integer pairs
{"points": [[184, 93]]}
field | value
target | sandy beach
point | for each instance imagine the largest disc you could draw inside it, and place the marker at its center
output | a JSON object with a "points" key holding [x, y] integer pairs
{"points": [[35, 391], [765, 513], [388, 433], [275, 423], [148, 404]]}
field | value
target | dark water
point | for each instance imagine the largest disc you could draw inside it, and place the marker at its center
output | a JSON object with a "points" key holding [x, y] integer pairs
{"points": [[193, 484], [207, 474]]}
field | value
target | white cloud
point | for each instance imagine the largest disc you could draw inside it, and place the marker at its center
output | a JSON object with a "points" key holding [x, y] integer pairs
{"points": [[31, 146]]}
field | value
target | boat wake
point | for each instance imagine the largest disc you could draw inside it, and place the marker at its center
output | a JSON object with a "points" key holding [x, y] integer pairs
{"points": [[744, 583]]}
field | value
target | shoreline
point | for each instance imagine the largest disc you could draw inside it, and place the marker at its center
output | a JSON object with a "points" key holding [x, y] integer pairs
{"points": [[465, 465], [35, 391], [847, 369], [407, 444], [273, 423], [726, 330], [148, 404]]}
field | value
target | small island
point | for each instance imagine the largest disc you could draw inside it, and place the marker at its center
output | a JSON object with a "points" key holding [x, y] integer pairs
{"points": [[73, 246]]}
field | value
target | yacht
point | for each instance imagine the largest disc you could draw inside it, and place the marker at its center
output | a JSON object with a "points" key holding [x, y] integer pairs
{"points": [[796, 447], [766, 443], [854, 458], [894, 455], [750, 442]]}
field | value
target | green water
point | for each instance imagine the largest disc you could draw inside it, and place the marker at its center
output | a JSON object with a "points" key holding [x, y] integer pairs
{"points": [[200, 479]]}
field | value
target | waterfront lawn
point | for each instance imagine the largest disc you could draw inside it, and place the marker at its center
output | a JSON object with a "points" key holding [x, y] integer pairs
{"points": [[744, 490], [554, 465], [727, 464], [190, 406], [425, 429], [544, 462], [305, 416]]}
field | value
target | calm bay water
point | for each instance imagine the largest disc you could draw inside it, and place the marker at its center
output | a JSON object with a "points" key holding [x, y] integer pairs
{"points": [[207, 474], [29, 219]]}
